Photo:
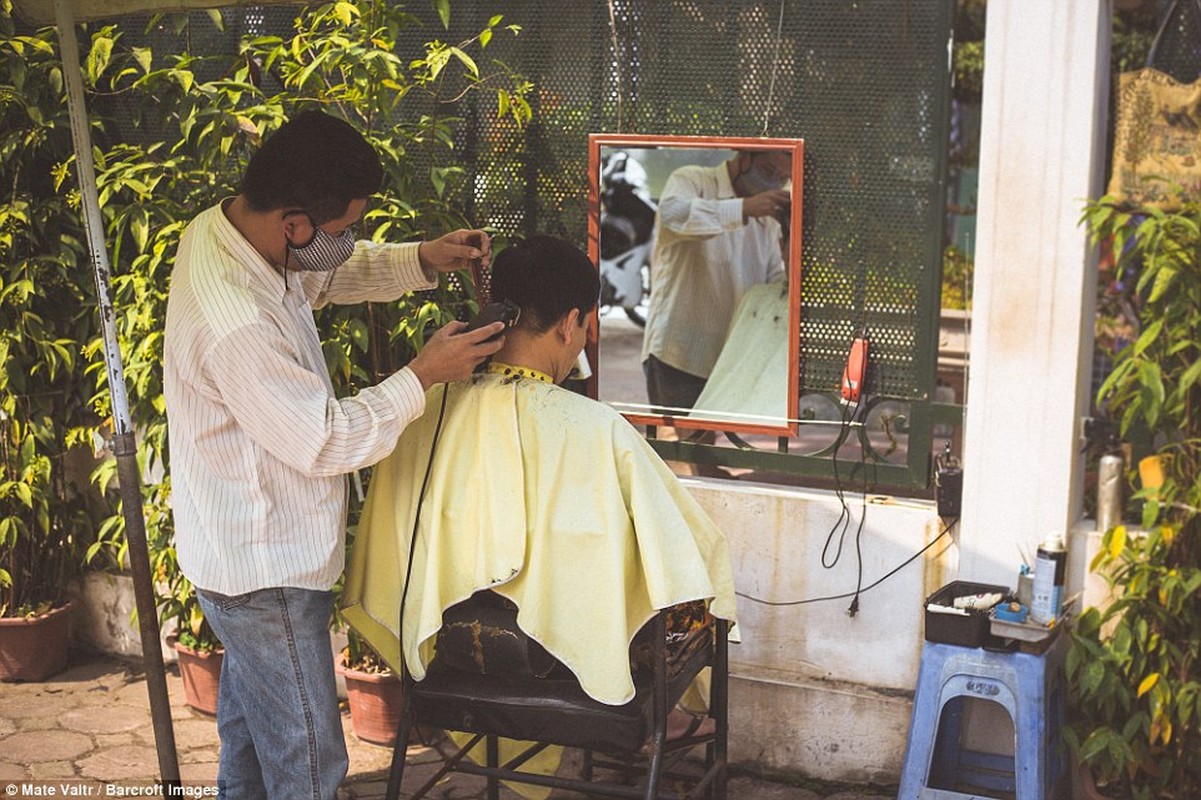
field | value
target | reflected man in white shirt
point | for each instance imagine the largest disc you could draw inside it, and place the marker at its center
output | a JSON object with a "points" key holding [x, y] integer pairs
{"points": [[260, 444], [717, 234]]}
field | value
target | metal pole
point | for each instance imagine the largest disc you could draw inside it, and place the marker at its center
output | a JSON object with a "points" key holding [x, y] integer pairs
{"points": [[124, 442]]}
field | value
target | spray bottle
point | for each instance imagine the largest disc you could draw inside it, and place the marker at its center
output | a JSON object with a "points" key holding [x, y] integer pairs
{"points": [[1110, 481], [1050, 567]]}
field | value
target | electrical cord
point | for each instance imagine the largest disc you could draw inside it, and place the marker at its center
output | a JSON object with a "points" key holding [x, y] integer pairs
{"points": [[854, 402], [844, 517], [858, 591], [404, 594], [853, 608]]}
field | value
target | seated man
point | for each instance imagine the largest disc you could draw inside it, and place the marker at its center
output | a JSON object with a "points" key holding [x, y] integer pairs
{"points": [[547, 498]]}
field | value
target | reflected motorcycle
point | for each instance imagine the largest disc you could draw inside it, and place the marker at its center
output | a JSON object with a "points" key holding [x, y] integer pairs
{"points": [[627, 224]]}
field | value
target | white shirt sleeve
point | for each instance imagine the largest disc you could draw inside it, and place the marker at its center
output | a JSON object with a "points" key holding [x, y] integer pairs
{"points": [[683, 210], [290, 411]]}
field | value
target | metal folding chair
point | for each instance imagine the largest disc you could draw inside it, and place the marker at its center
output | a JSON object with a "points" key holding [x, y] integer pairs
{"points": [[548, 711]]}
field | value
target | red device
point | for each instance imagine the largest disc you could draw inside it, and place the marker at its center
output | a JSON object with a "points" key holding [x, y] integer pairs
{"points": [[855, 370]]}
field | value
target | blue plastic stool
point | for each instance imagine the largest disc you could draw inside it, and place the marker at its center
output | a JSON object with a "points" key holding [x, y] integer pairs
{"points": [[1030, 687]]}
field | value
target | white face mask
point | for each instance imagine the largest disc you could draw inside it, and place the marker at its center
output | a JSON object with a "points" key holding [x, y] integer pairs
{"points": [[759, 178], [323, 252]]}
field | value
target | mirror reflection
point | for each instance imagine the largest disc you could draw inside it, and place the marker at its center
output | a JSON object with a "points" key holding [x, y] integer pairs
{"points": [[697, 325]]}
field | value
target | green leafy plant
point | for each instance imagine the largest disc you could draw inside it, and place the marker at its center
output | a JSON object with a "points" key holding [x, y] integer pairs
{"points": [[173, 131], [345, 58], [957, 269], [48, 513], [1133, 669], [967, 56], [357, 654]]}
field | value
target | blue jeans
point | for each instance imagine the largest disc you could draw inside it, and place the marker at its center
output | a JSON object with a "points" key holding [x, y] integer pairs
{"points": [[277, 710]]}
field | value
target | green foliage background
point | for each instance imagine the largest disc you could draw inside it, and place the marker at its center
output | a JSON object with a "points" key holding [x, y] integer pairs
{"points": [[1135, 666], [196, 119]]}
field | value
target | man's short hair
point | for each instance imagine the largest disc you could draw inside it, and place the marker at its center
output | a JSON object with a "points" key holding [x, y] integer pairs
{"points": [[315, 162], [547, 277]]}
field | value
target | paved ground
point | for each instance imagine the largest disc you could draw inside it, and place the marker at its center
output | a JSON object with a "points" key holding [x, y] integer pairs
{"points": [[87, 732]]}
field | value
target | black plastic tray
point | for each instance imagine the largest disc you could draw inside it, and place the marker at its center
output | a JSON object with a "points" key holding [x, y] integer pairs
{"points": [[972, 630]]}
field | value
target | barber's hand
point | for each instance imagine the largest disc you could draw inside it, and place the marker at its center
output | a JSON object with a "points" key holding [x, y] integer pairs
{"points": [[450, 355], [765, 204], [454, 251]]}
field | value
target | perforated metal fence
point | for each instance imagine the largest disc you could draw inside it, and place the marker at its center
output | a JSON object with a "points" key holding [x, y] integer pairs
{"points": [[864, 82], [1179, 50]]}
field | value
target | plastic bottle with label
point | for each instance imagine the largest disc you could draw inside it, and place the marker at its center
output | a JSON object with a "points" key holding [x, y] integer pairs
{"points": [[1110, 481], [1050, 567]]}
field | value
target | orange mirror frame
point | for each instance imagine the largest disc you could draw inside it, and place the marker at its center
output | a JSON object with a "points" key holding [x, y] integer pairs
{"points": [[623, 373]]}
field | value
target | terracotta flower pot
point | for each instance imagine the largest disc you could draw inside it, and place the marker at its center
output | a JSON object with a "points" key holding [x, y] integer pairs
{"points": [[375, 703], [201, 674], [33, 649]]}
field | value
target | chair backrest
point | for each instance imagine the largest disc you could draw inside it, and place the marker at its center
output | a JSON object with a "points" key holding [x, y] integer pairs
{"points": [[480, 635]]}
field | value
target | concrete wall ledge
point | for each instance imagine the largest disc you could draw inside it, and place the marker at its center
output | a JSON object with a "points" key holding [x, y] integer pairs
{"points": [[792, 678], [104, 621]]}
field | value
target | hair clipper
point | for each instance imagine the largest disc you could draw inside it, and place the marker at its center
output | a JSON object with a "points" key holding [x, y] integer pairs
{"points": [[505, 311]]}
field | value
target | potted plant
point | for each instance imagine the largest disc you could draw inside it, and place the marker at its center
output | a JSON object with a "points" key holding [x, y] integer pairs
{"points": [[197, 648], [1134, 672], [48, 516], [373, 692], [200, 656], [374, 695], [41, 529], [343, 56]]}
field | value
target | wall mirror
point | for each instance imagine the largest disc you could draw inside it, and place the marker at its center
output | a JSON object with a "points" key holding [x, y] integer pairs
{"points": [[698, 242]]}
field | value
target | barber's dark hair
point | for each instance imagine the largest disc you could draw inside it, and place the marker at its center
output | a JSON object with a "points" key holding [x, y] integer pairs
{"points": [[315, 162], [547, 277]]}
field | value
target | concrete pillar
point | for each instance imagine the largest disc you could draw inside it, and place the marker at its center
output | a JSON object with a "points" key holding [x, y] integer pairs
{"points": [[1042, 151]]}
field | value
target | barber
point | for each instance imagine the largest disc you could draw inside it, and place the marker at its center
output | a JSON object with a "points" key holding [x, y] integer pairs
{"points": [[260, 444], [718, 235]]}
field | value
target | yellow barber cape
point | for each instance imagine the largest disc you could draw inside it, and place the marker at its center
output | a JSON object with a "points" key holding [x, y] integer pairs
{"points": [[749, 382], [547, 498]]}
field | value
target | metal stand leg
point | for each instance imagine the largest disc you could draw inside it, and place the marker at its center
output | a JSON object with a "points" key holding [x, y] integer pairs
{"points": [[396, 771]]}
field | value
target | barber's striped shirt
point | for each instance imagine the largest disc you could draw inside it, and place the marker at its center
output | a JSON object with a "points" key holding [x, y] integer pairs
{"points": [[705, 258], [259, 444]]}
